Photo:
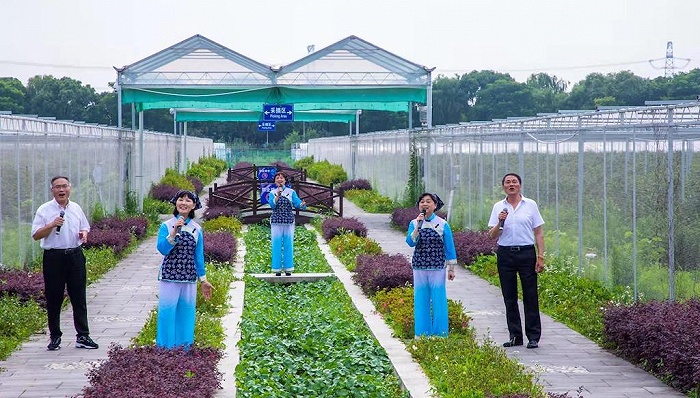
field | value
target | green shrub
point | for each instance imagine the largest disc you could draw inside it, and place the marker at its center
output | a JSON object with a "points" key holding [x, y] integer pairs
{"points": [[348, 246], [203, 173], [326, 173], [396, 306], [304, 163], [370, 201], [458, 366], [156, 207], [223, 223], [176, 179], [18, 321], [99, 261]]}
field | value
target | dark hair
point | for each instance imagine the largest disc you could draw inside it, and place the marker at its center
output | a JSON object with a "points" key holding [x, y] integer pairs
{"points": [[57, 177], [189, 194], [283, 174], [503, 180], [438, 202]]}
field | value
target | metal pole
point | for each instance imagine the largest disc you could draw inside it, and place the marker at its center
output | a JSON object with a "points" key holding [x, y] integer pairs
{"points": [[119, 103], [670, 199], [140, 175], [184, 148]]}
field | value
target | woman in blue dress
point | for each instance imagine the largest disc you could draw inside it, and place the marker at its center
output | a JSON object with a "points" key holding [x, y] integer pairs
{"points": [[434, 253], [181, 241], [284, 201]]}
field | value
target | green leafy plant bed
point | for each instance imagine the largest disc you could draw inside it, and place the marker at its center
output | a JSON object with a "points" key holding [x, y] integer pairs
{"points": [[307, 255], [305, 339], [297, 341]]}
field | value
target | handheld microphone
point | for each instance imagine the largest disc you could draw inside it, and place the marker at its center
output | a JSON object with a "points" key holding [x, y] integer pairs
{"points": [[500, 224], [58, 229], [177, 233], [420, 223]]}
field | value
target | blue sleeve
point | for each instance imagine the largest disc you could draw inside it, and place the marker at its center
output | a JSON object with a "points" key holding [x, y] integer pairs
{"points": [[199, 255], [296, 201], [448, 238], [163, 246], [410, 240]]}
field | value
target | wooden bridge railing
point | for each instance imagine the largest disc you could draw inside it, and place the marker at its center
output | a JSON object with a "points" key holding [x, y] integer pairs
{"points": [[245, 196]]}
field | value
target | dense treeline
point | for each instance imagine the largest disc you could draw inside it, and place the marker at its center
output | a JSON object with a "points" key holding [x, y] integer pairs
{"points": [[477, 95]]}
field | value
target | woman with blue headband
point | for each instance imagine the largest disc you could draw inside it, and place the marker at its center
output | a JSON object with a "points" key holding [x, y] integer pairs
{"points": [[283, 202], [434, 253], [181, 241]]}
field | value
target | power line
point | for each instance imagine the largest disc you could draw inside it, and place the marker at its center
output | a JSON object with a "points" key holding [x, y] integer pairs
{"points": [[20, 63], [556, 67]]}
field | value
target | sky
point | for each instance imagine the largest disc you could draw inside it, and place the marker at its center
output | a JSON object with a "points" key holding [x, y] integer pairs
{"points": [[86, 39]]}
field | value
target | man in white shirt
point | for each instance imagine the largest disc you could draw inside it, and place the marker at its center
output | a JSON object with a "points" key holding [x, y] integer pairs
{"points": [[62, 227], [517, 223]]}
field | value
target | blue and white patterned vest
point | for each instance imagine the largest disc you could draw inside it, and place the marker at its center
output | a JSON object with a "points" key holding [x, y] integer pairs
{"points": [[283, 213], [430, 248], [178, 265]]}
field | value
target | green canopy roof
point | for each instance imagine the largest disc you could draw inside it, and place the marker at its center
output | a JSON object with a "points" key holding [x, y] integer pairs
{"points": [[198, 73]]}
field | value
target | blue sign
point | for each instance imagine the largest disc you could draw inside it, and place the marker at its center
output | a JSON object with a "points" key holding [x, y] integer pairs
{"points": [[266, 126], [278, 112], [265, 190], [267, 173]]}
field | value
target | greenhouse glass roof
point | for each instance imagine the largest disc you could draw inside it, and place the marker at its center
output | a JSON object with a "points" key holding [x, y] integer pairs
{"points": [[197, 73]]}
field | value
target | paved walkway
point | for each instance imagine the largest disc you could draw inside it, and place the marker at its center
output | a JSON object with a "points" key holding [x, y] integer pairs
{"points": [[119, 304], [565, 360]]}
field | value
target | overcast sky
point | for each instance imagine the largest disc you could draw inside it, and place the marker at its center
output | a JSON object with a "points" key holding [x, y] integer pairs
{"points": [[85, 39]]}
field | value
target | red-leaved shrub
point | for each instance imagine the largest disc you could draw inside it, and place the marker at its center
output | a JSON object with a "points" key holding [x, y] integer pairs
{"points": [[664, 336], [117, 240], [382, 271], [334, 226], [155, 372], [355, 184], [219, 247], [24, 285], [217, 211], [470, 244], [134, 225], [163, 192], [196, 183]]}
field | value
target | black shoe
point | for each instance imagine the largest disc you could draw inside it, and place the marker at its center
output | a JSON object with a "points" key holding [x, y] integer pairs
{"points": [[513, 342], [533, 344], [54, 344], [278, 274], [85, 342], [288, 273]]}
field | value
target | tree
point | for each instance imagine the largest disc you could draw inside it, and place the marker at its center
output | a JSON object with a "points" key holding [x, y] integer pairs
{"points": [[502, 99], [450, 102], [65, 98], [545, 82], [684, 85], [548, 92], [12, 95]]}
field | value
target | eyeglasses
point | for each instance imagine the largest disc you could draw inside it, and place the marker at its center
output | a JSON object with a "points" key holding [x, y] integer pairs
{"points": [[62, 186]]}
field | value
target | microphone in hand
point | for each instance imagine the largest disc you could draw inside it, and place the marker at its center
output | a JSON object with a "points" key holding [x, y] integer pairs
{"points": [[420, 222], [58, 228], [177, 234], [500, 224]]}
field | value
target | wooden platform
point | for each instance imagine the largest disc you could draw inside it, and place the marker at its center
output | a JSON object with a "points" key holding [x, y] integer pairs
{"points": [[295, 277]]}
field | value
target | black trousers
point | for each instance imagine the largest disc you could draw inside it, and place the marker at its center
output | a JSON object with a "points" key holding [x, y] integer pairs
{"points": [[65, 269], [512, 263]]}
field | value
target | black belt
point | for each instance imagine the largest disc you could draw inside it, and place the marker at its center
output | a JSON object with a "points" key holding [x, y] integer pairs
{"points": [[64, 251], [517, 248]]}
